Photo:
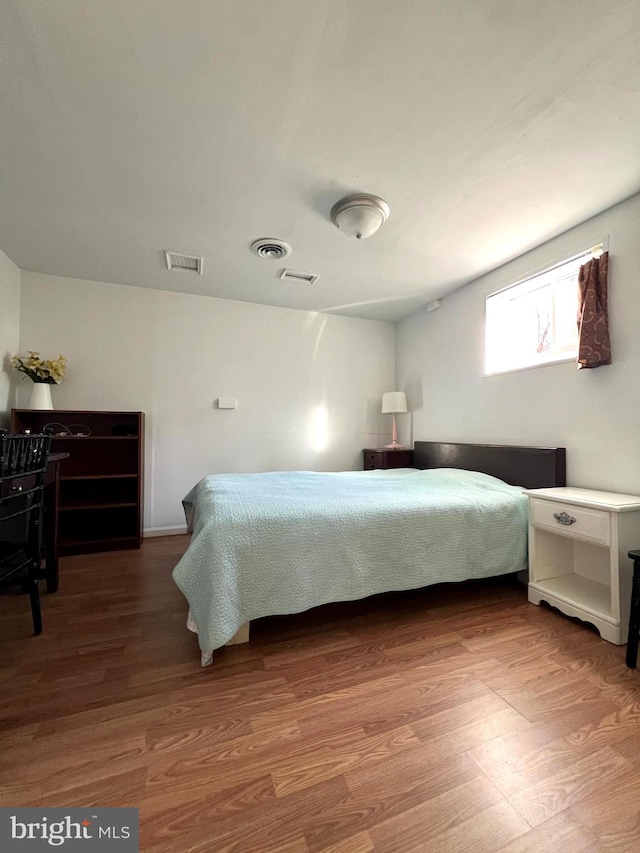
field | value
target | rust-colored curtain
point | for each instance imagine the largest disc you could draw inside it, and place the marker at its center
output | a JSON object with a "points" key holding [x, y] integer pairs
{"points": [[594, 345]]}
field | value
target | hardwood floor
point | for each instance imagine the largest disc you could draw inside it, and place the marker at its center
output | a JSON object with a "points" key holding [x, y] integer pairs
{"points": [[456, 718]]}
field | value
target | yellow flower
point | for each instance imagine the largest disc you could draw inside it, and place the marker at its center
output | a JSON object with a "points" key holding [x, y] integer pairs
{"points": [[50, 371]]}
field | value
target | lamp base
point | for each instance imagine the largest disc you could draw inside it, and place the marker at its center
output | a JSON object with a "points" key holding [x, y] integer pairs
{"points": [[394, 446]]}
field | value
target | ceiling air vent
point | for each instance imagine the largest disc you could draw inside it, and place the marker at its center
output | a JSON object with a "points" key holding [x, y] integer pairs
{"points": [[189, 263], [266, 247], [296, 275]]}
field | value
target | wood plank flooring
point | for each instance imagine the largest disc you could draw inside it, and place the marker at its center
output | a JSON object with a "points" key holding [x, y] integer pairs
{"points": [[456, 718]]}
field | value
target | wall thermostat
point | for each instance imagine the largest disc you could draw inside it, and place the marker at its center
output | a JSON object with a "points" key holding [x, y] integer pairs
{"points": [[227, 403]]}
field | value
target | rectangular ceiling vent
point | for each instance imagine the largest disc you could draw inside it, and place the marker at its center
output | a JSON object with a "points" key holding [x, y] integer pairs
{"points": [[296, 275], [189, 263]]}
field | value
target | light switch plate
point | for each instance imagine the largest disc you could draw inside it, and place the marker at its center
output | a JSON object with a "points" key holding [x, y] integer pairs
{"points": [[227, 403]]}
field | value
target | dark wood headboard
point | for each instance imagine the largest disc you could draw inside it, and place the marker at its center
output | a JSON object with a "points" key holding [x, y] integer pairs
{"points": [[531, 467]]}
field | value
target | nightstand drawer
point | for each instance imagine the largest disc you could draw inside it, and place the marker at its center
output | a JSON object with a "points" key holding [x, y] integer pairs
{"points": [[565, 519], [372, 459]]}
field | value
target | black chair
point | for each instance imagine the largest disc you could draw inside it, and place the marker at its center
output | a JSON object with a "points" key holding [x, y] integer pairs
{"points": [[634, 613], [23, 462]]}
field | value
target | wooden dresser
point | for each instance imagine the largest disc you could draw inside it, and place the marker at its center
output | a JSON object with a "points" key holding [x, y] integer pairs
{"points": [[101, 483]]}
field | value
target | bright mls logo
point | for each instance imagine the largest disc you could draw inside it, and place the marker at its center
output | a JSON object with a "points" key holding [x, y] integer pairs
{"points": [[69, 829]]}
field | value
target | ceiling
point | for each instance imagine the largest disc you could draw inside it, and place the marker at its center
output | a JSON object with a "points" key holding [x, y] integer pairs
{"points": [[200, 125]]}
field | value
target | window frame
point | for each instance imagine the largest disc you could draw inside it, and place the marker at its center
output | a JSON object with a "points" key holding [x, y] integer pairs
{"points": [[595, 250]]}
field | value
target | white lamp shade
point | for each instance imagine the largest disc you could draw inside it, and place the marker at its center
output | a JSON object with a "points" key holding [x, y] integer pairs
{"points": [[394, 401], [360, 222]]}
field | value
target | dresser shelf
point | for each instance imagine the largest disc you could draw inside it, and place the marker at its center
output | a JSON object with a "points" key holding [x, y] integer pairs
{"points": [[594, 597], [81, 507], [89, 546], [95, 437], [102, 477]]}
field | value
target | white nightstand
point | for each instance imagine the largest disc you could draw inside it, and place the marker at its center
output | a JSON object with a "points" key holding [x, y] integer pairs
{"points": [[578, 545]]}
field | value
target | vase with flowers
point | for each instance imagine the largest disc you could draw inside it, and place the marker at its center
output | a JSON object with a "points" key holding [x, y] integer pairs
{"points": [[43, 373]]}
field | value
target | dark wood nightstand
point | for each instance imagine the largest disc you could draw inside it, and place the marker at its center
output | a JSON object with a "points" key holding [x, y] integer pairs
{"points": [[382, 458], [634, 616]]}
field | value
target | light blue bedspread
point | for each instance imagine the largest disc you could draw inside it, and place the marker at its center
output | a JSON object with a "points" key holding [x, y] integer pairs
{"points": [[282, 542]]}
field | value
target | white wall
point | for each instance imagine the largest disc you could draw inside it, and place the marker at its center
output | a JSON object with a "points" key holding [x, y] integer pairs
{"points": [[595, 414], [9, 332], [172, 355]]}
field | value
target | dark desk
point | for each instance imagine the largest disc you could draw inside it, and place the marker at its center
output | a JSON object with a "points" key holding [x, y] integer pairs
{"points": [[51, 509]]}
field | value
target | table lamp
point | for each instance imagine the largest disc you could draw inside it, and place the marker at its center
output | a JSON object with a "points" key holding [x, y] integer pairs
{"points": [[392, 402]]}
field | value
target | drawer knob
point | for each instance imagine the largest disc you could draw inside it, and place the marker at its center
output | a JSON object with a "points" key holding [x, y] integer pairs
{"points": [[564, 518]]}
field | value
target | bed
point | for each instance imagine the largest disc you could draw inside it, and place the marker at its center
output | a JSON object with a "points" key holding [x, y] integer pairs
{"points": [[284, 542]]}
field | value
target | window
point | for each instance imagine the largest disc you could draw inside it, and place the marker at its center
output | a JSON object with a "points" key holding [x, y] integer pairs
{"points": [[534, 322]]}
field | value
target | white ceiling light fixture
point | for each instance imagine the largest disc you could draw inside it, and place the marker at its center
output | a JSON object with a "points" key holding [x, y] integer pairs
{"points": [[267, 247], [360, 215]]}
